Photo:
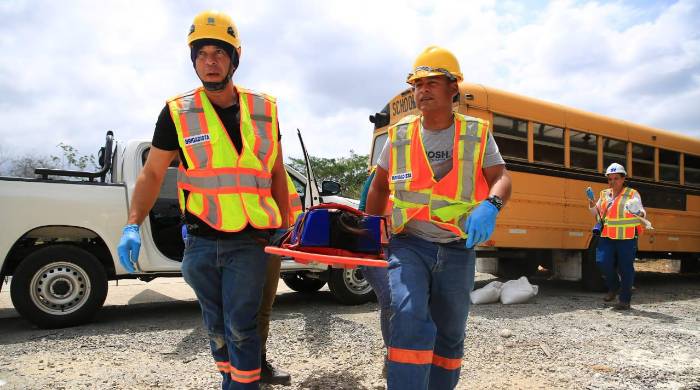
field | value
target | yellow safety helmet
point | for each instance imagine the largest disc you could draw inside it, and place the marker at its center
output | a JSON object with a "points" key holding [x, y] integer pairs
{"points": [[435, 61], [214, 25]]}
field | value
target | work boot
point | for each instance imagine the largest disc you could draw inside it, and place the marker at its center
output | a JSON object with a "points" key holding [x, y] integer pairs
{"points": [[610, 296], [622, 306], [274, 376]]}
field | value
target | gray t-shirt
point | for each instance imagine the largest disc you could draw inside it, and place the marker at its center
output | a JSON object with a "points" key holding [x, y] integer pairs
{"points": [[438, 145]]}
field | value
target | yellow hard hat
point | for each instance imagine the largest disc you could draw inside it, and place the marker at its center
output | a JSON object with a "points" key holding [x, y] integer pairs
{"points": [[214, 25], [435, 61]]}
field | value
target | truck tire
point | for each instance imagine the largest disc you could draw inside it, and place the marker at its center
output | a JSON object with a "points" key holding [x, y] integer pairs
{"points": [[300, 283], [591, 277], [59, 286], [349, 286]]}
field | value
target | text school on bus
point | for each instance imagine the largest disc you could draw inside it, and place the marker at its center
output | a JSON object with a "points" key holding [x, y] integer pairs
{"points": [[554, 153]]}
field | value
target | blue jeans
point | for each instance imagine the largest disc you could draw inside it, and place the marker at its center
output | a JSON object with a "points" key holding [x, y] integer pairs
{"points": [[430, 285], [379, 280], [615, 259], [228, 275]]}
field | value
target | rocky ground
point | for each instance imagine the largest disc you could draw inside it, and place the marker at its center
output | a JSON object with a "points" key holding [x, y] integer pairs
{"points": [[150, 336]]}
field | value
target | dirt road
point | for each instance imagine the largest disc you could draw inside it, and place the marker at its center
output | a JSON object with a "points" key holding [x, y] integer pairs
{"points": [[150, 336]]}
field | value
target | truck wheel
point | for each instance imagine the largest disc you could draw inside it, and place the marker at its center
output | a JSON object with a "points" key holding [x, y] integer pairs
{"points": [[59, 286], [591, 277], [349, 286], [300, 283]]}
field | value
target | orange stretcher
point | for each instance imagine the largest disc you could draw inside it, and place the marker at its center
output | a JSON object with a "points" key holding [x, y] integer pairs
{"points": [[332, 260]]}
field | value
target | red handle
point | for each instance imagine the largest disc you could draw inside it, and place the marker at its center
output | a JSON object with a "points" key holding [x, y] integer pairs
{"points": [[337, 206]]}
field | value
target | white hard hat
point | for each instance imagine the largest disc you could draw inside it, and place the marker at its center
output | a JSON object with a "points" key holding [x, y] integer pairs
{"points": [[615, 168]]}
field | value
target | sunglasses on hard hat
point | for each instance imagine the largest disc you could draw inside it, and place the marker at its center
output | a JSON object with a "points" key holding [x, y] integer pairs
{"points": [[430, 69]]}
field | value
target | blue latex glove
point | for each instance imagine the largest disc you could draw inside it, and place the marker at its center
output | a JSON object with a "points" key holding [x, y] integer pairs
{"points": [[129, 247], [480, 223], [589, 194], [184, 233]]}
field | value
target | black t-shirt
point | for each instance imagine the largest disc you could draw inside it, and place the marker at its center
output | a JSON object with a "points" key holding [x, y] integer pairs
{"points": [[165, 138]]}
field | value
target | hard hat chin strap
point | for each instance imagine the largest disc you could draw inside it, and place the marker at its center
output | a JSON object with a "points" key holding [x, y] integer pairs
{"points": [[219, 85]]}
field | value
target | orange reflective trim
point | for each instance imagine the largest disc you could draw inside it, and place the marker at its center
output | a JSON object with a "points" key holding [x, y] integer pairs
{"points": [[231, 171], [410, 356], [447, 363], [223, 367], [245, 376], [225, 190]]}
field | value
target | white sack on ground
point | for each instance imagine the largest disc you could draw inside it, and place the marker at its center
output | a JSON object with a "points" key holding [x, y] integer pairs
{"points": [[487, 294], [517, 291]]}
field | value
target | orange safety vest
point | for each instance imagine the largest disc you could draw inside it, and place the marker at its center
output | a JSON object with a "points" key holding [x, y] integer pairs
{"points": [[619, 224], [227, 190], [415, 192]]}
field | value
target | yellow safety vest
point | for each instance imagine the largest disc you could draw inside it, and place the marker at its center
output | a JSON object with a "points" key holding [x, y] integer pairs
{"points": [[295, 206], [227, 190]]}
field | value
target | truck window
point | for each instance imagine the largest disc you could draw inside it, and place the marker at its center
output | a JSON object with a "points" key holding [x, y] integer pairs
{"points": [[377, 147]]}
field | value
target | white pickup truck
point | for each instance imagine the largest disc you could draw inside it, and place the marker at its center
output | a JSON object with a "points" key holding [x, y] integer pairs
{"points": [[58, 238]]}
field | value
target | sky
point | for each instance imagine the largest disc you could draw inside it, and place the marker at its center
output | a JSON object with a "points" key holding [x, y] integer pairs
{"points": [[71, 70]]}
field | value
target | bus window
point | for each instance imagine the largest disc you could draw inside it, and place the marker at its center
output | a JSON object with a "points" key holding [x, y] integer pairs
{"points": [[669, 166], [643, 161], [549, 144], [583, 150], [692, 170], [614, 151], [511, 136], [377, 147]]}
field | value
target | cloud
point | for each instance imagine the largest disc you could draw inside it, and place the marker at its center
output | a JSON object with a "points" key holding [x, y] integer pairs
{"points": [[69, 73]]}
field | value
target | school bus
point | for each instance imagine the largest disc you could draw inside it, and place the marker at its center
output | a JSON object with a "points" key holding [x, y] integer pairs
{"points": [[553, 153]]}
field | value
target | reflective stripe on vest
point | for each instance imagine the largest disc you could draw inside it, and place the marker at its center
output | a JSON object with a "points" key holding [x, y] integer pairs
{"points": [[619, 224], [227, 190], [295, 206], [415, 193]]}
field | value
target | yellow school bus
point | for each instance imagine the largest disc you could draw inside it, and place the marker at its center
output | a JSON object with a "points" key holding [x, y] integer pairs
{"points": [[553, 153]]}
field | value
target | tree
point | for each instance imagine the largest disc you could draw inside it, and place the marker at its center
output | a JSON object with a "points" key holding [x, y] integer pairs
{"points": [[24, 166], [350, 172], [72, 159]]}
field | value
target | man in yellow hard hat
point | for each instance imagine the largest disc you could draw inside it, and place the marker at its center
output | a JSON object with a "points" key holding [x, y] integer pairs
{"points": [[447, 183], [233, 193]]}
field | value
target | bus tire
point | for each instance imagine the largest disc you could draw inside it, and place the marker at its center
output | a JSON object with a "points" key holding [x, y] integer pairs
{"points": [[59, 286], [591, 277], [513, 268], [690, 264], [349, 286], [298, 282]]}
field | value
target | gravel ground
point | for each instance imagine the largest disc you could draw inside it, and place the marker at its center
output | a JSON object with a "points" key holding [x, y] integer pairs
{"points": [[563, 339]]}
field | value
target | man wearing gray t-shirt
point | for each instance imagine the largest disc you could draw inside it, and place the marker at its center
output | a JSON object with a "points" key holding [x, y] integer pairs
{"points": [[448, 183]]}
